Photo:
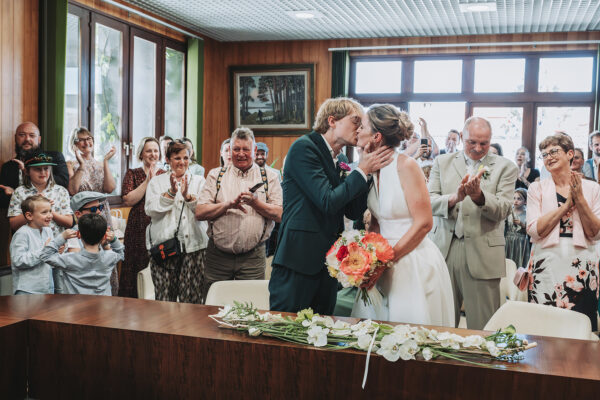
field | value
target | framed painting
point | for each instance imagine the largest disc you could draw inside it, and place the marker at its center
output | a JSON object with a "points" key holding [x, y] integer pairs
{"points": [[273, 99]]}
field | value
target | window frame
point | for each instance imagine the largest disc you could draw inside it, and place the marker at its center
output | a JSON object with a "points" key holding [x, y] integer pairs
{"points": [[529, 99], [88, 17]]}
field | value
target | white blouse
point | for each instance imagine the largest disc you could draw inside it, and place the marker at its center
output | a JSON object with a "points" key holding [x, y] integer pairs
{"points": [[165, 214]]}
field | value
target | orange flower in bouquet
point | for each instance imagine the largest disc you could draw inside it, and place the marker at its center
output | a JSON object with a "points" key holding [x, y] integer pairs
{"points": [[357, 262], [359, 259], [383, 250]]}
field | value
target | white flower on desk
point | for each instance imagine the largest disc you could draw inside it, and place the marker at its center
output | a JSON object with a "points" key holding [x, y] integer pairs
{"points": [[364, 341], [492, 348], [252, 331], [317, 335], [474, 341], [427, 353]]}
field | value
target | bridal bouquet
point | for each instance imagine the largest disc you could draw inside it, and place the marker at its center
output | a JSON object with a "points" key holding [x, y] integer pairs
{"points": [[358, 259]]}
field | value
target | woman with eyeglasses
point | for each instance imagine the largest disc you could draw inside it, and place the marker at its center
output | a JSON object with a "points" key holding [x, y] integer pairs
{"points": [[171, 203], [133, 193], [563, 220], [85, 172], [527, 175]]}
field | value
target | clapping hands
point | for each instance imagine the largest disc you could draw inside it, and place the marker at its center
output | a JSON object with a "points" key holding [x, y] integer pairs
{"points": [[470, 186]]}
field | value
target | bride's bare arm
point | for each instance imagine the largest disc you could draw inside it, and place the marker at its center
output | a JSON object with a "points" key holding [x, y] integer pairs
{"points": [[419, 205]]}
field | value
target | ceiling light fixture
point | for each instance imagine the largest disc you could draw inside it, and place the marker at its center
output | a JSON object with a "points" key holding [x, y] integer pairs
{"points": [[305, 14], [477, 7]]}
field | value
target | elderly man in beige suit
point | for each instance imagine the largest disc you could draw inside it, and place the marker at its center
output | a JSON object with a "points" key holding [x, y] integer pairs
{"points": [[471, 195]]}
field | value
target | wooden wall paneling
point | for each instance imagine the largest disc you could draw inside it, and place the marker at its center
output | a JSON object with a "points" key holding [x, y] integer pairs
{"points": [[6, 75], [19, 22]]}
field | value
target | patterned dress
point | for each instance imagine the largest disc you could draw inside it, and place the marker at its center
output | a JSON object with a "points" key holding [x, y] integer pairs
{"points": [[136, 255], [56, 193], [92, 179], [518, 245], [565, 276]]}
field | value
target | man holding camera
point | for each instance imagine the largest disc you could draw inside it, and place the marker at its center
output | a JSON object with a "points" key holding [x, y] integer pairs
{"points": [[241, 201]]}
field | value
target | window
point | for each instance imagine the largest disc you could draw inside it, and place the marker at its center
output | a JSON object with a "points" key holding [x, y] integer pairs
{"points": [[573, 74], [573, 120], [108, 96], [124, 83], [379, 77], [507, 127], [499, 75], [438, 76], [440, 118], [525, 96], [143, 102], [174, 92]]}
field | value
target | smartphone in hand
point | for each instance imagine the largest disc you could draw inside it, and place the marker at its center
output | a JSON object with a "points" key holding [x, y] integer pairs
{"points": [[255, 187]]}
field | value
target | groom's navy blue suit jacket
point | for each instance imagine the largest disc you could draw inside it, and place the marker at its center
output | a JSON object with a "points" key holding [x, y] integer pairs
{"points": [[315, 199]]}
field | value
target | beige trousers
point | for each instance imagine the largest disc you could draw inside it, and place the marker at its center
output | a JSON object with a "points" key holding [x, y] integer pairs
{"points": [[481, 297], [223, 266]]}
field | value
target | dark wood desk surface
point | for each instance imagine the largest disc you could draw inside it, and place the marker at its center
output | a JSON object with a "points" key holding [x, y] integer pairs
{"points": [[96, 346]]}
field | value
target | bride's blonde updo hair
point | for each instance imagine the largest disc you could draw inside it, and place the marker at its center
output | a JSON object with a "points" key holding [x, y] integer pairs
{"points": [[394, 125]]}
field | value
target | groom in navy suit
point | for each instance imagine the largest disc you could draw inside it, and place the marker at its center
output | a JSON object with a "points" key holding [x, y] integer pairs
{"points": [[316, 196]]}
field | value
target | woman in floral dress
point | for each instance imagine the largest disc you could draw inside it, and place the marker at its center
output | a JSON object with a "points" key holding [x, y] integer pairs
{"points": [[134, 196], [89, 174], [563, 220]]}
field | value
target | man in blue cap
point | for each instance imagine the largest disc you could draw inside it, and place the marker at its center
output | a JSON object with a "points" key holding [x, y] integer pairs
{"points": [[262, 154]]}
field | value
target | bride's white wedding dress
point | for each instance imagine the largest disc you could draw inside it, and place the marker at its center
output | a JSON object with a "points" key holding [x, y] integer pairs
{"points": [[417, 288]]}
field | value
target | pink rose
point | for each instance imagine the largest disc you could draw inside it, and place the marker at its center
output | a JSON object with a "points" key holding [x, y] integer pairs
{"points": [[344, 166]]}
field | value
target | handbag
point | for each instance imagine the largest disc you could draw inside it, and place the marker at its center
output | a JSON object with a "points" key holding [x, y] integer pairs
{"points": [[169, 248], [521, 279]]}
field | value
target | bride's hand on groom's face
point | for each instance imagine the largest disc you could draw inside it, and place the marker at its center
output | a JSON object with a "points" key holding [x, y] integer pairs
{"points": [[375, 160]]}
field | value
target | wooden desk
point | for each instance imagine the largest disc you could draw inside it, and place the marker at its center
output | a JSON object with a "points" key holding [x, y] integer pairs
{"points": [[112, 347]]}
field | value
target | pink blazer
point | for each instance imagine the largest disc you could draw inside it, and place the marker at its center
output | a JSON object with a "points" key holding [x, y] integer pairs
{"points": [[541, 199]]}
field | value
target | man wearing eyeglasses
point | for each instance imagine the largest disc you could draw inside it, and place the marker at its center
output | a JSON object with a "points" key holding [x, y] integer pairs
{"points": [[471, 195], [27, 139]]}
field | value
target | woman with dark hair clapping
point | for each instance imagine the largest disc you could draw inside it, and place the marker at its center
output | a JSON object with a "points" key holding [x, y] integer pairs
{"points": [[171, 203], [563, 220]]}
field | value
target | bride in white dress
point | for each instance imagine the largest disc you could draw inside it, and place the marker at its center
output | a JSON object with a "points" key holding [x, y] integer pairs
{"points": [[417, 288]]}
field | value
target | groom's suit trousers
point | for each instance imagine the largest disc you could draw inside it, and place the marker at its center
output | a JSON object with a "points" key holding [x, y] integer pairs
{"points": [[483, 294]]}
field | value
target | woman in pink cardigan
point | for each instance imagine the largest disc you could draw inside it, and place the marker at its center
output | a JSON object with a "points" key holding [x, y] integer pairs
{"points": [[563, 220]]}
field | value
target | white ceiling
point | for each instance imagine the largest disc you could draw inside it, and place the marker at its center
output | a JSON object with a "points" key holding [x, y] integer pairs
{"points": [[245, 20]]}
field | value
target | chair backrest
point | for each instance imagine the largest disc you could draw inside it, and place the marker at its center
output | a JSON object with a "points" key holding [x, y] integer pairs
{"points": [[145, 286], [508, 290], [538, 319], [225, 292], [505, 289]]}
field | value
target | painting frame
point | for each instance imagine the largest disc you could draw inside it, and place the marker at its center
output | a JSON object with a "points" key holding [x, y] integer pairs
{"points": [[296, 115]]}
